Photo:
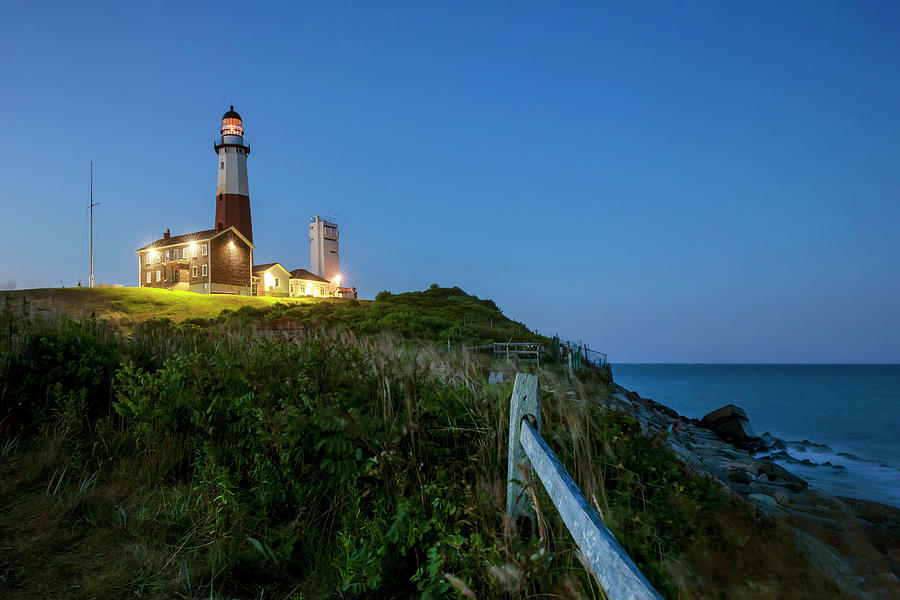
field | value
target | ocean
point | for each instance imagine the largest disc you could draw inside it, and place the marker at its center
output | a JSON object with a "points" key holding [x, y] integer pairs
{"points": [[840, 423]]}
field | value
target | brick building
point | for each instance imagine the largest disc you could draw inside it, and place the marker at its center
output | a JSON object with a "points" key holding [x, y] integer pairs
{"points": [[208, 262]]}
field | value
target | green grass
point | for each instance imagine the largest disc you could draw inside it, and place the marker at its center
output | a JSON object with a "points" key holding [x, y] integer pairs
{"points": [[140, 304], [436, 314]]}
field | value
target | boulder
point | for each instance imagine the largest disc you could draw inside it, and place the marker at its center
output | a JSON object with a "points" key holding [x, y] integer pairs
{"points": [[738, 476], [782, 498], [778, 474], [731, 424]]}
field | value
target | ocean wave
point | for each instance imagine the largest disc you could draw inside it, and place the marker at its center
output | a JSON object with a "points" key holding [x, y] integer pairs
{"points": [[837, 472]]}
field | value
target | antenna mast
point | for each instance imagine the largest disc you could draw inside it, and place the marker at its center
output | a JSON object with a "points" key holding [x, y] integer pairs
{"points": [[92, 205]]}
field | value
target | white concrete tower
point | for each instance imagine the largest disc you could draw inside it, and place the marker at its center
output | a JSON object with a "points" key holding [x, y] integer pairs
{"points": [[324, 259], [232, 189]]}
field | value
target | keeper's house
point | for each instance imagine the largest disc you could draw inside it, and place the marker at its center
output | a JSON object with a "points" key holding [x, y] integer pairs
{"points": [[272, 279], [215, 261]]}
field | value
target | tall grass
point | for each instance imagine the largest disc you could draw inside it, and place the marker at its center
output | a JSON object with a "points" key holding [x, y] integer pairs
{"points": [[204, 461]]}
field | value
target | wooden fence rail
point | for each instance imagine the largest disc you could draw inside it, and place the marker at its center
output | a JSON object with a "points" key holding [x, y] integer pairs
{"points": [[523, 350], [529, 454]]}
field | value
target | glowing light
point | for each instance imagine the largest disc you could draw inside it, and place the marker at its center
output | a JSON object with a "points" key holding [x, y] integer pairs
{"points": [[232, 126], [337, 279], [231, 244]]}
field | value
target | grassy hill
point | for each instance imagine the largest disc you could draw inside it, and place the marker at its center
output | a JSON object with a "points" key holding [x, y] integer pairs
{"points": [[138, 304], [145, 458], [434, 314]]}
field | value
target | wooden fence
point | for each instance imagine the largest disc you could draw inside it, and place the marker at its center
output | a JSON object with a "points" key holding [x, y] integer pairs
{"points": [[529, 454], [525, 350]]}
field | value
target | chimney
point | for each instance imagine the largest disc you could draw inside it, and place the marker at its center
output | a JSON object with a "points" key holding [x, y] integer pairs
{"points": [[166, 235], [220, 226]]}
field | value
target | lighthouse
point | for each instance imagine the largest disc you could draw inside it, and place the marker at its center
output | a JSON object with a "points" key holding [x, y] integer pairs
{"points": [[232, 189]]}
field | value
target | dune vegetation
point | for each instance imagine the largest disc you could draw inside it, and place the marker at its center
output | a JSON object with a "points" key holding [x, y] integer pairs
{"points": [[204, 459]]}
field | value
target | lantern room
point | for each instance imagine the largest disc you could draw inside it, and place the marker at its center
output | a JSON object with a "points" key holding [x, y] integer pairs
{"points": [[231, 123]]}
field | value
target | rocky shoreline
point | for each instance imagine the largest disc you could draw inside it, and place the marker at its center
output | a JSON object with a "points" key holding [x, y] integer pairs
{"points": [[854, 542]]}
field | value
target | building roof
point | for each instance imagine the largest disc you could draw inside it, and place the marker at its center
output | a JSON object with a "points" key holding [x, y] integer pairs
{"points": [[184, 238], [231, 114], [265, 267], [197, 236], [307, 275]]}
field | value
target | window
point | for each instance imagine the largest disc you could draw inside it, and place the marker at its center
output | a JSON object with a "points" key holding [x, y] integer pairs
{"points": [[194, 271], [176, 253], [204, 271], [276, 283], [167, 255], [148, 276], [158, 276], [221, 166], [205, 286], [205, 249], [148, 257], [157, 259], [193, 251]]}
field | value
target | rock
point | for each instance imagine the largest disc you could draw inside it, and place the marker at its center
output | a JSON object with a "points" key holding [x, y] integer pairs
{"points": [[894, 554], [772, 442], [762, 499], [767, 506], [782, 498], [782, 455], [731, 424], [874, 512], [738, 476], [779, 474]]}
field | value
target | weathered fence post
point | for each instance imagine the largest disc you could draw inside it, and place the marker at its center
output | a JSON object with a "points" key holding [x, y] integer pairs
{"points": [[530, 460], [525, 402]]}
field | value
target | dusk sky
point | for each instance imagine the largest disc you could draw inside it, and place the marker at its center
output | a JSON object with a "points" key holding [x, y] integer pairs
{"points": [[672, 182]]}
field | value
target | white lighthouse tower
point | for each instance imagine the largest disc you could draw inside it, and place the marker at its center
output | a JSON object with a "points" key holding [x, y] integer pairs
{"points": [[232, 189]]}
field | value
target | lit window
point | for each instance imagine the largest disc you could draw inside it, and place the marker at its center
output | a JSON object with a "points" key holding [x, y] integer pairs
{"points": [[157, 259], [176, 253], [148, 276], [158, 276], [167, 255], [204, 270], [194, 271], [205, 248]]}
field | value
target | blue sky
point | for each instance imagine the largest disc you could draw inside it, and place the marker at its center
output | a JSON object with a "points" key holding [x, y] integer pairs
{"points": [[690, 182]]}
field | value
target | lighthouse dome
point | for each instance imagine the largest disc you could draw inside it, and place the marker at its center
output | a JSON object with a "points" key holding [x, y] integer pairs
{"points": [[231, 114]]}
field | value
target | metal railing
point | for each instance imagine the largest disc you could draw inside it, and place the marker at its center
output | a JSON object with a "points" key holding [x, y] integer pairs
{"points": [[220, 141], [529, 454], [563, 348]]}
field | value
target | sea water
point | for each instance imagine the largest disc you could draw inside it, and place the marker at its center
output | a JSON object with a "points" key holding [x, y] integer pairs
{"points": [[840, 423]]}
